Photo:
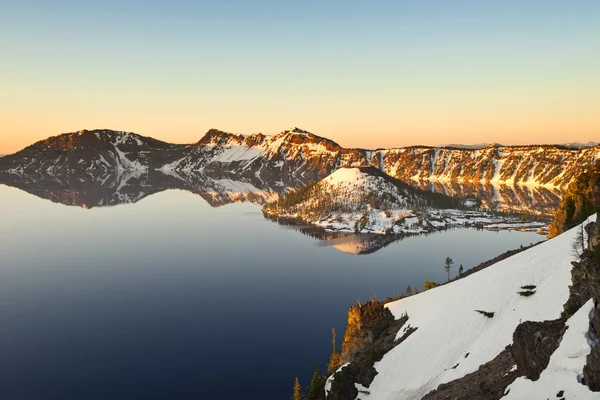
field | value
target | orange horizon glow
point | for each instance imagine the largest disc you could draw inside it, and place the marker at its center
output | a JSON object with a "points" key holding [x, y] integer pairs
{"points": [[374, 137], [365, 75]]}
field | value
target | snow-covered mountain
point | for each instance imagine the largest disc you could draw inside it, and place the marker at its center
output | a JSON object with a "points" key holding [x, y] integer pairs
{"points": [[366, 200], [295, 152], [514, 330], [361, 199], [580, 145]]}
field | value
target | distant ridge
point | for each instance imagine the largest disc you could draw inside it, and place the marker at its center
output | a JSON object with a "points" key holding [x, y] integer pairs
{"points": [[472, 146], [299, 154], [578, 145]]}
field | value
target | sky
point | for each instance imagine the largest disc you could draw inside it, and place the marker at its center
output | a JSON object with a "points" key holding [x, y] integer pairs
{"points": [[363, 73]]}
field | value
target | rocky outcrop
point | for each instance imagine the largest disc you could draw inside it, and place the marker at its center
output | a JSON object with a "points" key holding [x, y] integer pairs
{"points": [[591, 370], [489, 382], [529, 354], [370, 334], [366, 322], [585, 275], [533, 344], [586, 285]]}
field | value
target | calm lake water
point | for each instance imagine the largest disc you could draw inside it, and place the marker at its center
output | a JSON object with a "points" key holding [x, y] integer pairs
{"points": [[171, 298]]}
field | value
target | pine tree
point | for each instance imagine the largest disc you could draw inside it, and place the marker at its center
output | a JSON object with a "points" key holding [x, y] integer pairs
{"points": [[408, 291], [335, 359], [317, 389], [460, 270], [297, 391], [429, 285], [415, 290], [448, 265]]}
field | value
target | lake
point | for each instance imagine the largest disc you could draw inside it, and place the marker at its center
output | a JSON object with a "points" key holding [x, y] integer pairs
{"points": [[170, 297]]}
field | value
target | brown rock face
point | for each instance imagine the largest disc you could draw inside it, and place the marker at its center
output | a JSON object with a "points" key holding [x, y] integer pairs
{"points": [[366, 322], [591, 370], [371, 333], [534, 343], [489, 382], [585, 275]]}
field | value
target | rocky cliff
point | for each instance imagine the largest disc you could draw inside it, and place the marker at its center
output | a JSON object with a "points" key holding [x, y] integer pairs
{"points": [[298, 153]]}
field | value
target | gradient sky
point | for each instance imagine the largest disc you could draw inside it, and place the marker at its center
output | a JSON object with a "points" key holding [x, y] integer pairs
{"points": [[364, 73]]}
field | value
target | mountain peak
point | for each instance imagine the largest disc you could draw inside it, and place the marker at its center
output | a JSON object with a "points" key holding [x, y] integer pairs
{"points": [[295, 129], [353, 174]]}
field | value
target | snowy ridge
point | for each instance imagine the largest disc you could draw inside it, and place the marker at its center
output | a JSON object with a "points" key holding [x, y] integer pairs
{"points": [[455, 340], [306, 154], [296, 152]]}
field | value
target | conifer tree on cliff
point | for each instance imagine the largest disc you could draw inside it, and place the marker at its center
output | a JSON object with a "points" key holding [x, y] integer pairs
{"points": [[448, 265], [297, 391], [408, 291], [317, 390], [335, 359]]}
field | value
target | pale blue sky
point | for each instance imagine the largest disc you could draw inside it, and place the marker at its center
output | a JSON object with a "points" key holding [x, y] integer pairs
{"points": [[370, 74]]}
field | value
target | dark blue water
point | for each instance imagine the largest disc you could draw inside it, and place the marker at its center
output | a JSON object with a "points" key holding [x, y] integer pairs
{"points": [[170, 298]]}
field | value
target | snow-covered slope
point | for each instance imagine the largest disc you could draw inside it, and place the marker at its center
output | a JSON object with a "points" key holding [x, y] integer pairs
{"points": [[452, 340], [566, 364]]}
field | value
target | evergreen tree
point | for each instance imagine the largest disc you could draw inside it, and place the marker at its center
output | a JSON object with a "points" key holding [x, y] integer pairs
{"points": [[317, 386], [460, 270], [335, 359], [448, 265], [429, 285], [297, 391], [408, 291], [415, 290]]}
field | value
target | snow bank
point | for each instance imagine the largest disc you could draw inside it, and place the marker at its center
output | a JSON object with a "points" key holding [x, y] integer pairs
{"points": [[449, 327], [566, 365]]}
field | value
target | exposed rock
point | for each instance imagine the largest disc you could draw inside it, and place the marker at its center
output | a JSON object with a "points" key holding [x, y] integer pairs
{"points": [[593, 234], [361, 370], [591, 370], [366, 322], [534, 343], [585, 275], [489, 382], [529, 355]]}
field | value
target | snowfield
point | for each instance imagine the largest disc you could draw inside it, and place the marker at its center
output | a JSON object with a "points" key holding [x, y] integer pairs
{"points": [[449, 328]]}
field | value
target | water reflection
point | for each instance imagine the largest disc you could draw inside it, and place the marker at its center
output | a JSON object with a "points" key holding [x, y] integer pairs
{"points": [[516, 198], [112, 188]]}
